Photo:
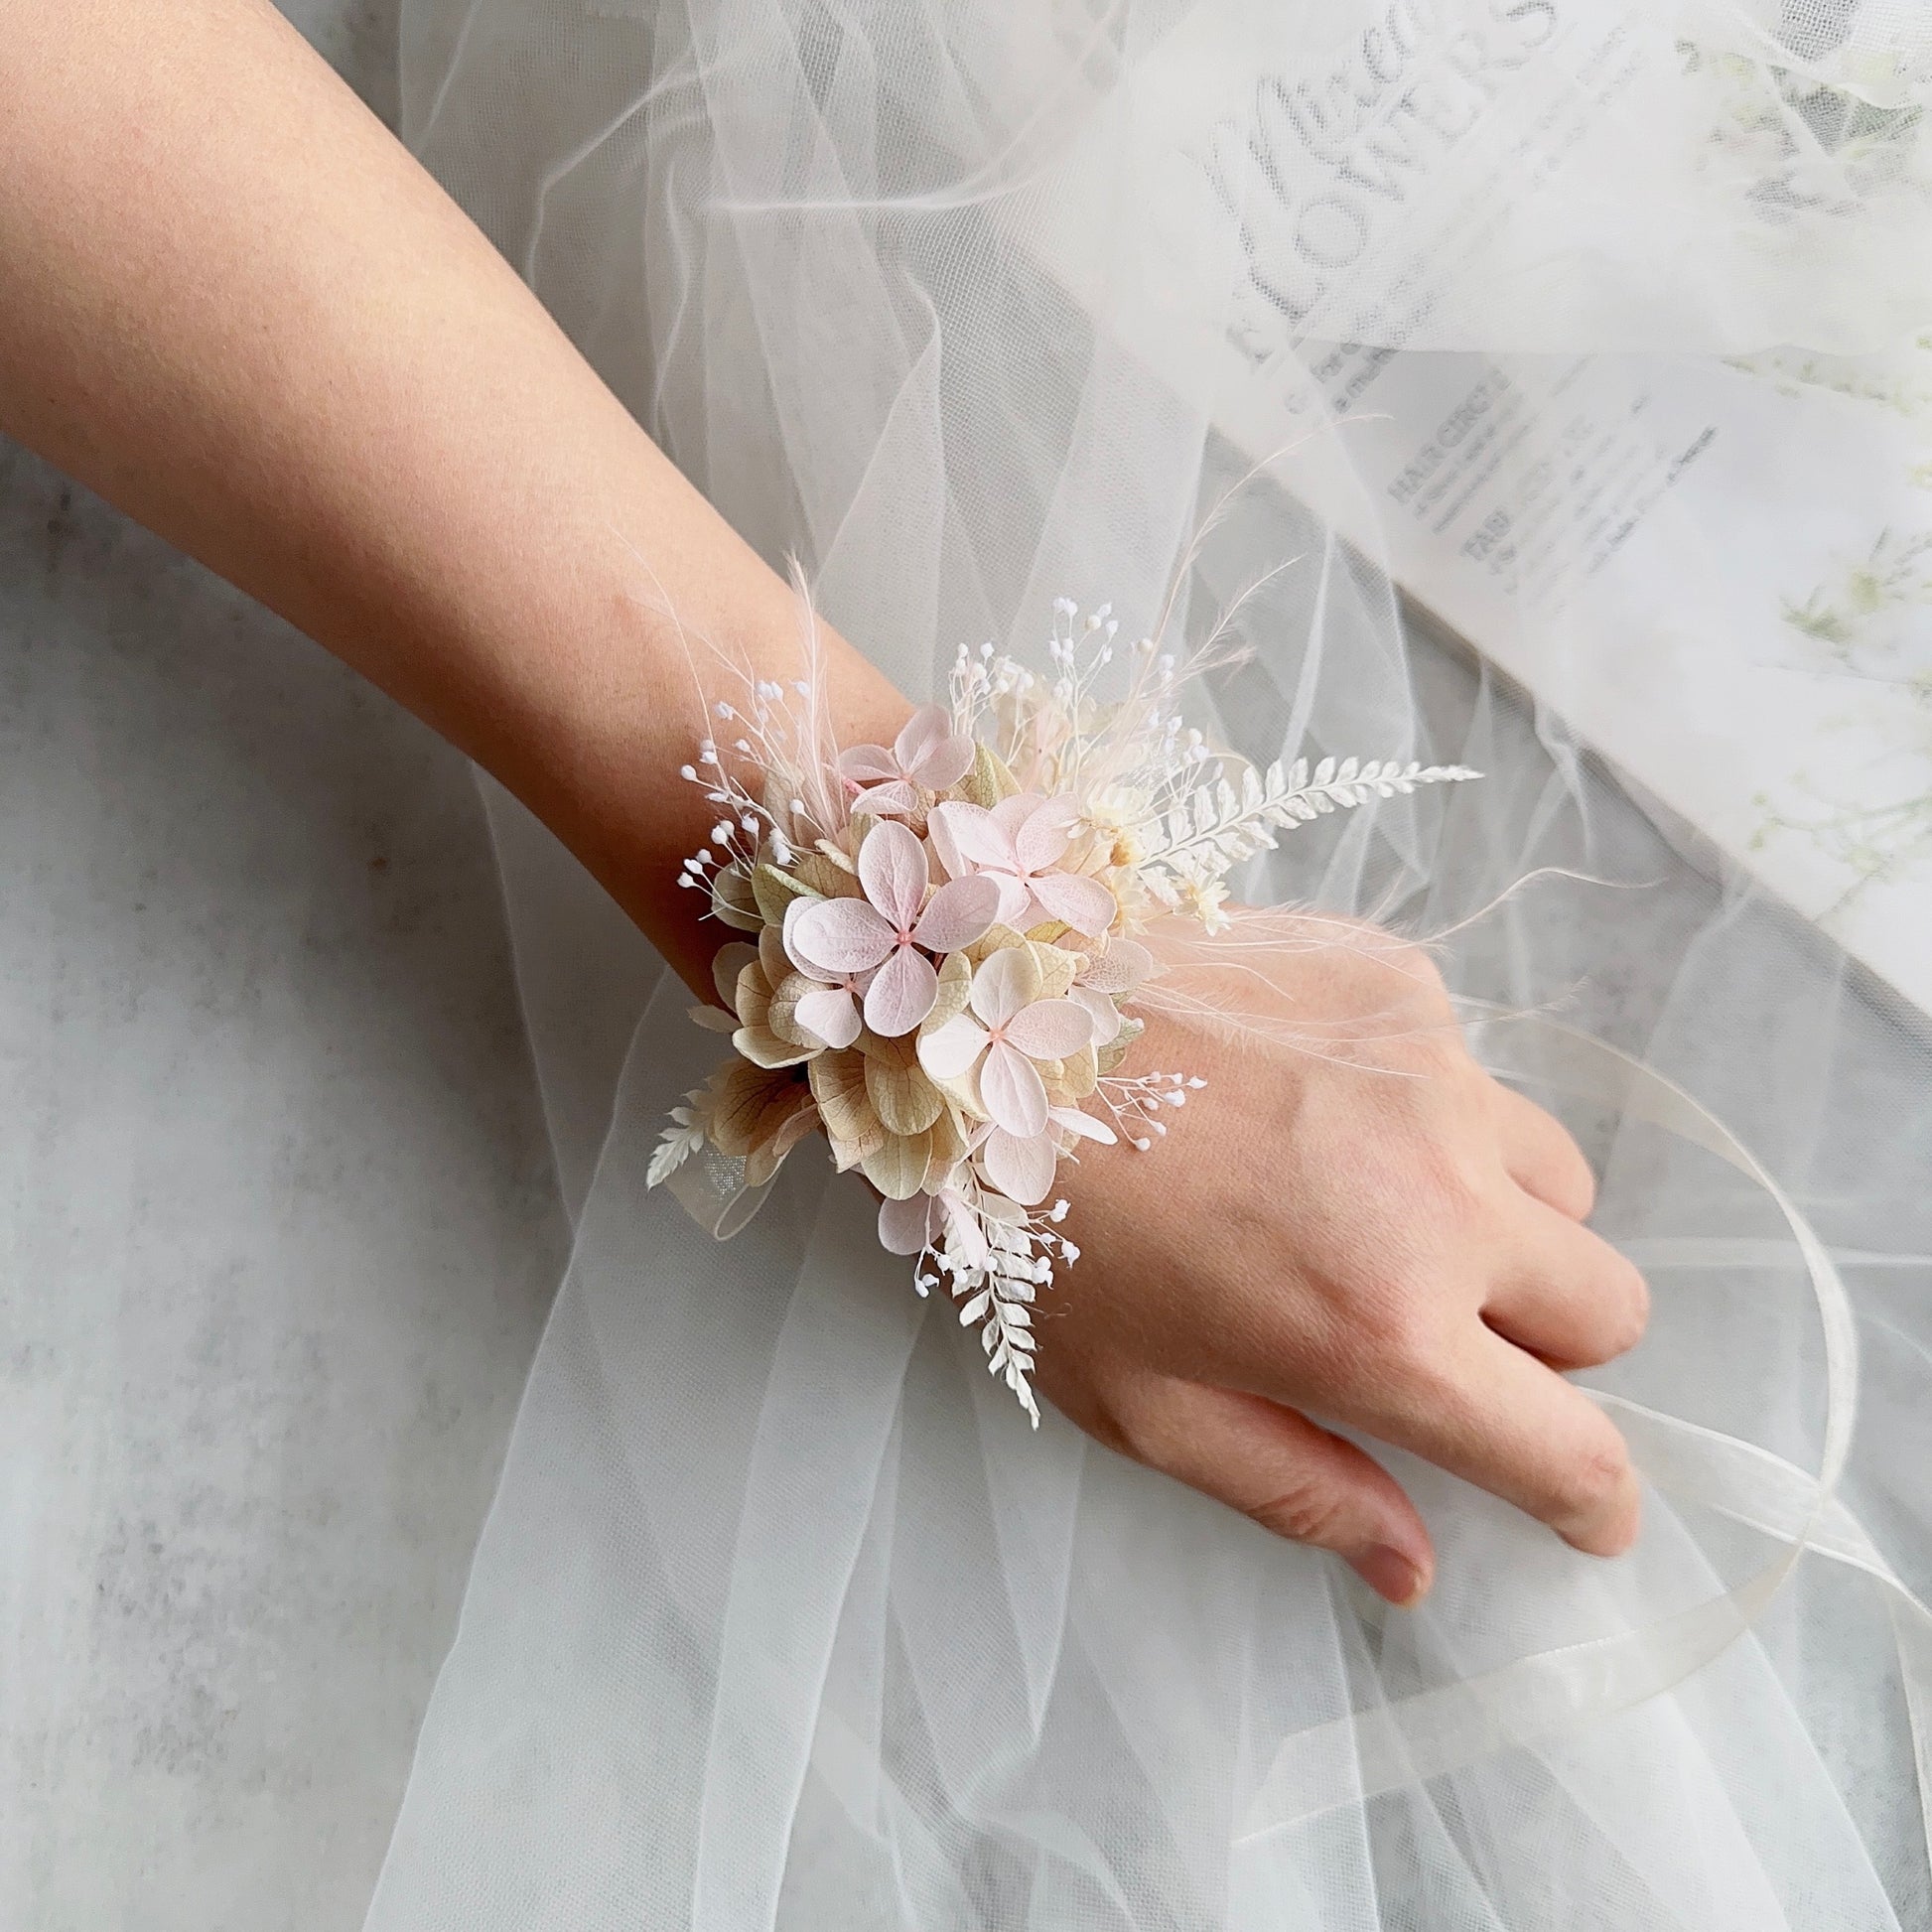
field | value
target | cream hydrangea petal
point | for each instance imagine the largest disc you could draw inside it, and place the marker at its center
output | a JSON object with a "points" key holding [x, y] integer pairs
{"points": [[950, 1051], [831, 1014], [1004, 984], [1014, 1093], [1050, 1030], [1020, 1166], [1083, 1127], [960, 914], [1101, 1010], [836, 936], [902, 992], [1083, 903], [893, 871]]}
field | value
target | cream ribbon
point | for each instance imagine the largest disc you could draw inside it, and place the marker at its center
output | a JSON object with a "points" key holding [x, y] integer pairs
{"points": [[1366, 1753]]}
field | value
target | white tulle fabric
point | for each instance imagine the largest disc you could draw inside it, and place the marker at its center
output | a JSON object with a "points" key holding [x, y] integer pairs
{"points": [[784, 1617]]}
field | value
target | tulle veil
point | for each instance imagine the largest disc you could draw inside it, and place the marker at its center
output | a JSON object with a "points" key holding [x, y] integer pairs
{"points": [[1550, 371]]}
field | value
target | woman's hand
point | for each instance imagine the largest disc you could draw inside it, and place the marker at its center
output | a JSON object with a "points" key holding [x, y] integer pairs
{"points": [[1367, 1229]]}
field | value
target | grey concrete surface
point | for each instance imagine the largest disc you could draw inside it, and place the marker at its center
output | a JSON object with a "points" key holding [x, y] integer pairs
{"points": [[278, 1225]]}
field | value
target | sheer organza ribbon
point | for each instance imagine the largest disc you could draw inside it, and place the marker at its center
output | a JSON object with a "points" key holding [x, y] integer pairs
{"points": [[1534, 1698]]}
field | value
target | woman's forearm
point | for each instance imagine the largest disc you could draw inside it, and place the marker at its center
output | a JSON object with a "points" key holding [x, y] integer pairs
{"points": [[233, 303]]}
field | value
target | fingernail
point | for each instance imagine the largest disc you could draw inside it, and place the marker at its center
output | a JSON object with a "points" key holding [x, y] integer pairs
{"points": [[1388, 1572]]}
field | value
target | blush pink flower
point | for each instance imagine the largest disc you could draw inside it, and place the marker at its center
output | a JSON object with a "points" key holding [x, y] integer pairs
{"points": [[1119, 969], [1022, 1167], [833, 1010], [1019, 844], [833, 940], [910, 1228], [1007, 1027], [926, 756]]}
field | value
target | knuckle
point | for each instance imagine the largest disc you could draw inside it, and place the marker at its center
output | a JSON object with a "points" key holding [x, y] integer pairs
{"points": [[1305, 1510], [1583, 1486], [1629, 1313]]}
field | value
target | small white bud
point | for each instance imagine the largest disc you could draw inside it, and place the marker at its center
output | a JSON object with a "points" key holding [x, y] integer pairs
{"points": [[687, 772]]}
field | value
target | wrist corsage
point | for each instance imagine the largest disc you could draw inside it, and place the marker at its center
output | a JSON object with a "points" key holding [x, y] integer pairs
{"points": [[941, 956]]}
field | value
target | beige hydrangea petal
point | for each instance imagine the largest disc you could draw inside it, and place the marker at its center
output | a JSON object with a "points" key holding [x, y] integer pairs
{"points": [[838, 1083], [988, 782], [1111, 1056], [752, 996], [731, 959], [1070, 1080], [955, 983], [774, 891], [903, 1097], [750, 1104], [773, 955], [996, 939], [1057, 968], [734, 902], [819, 875], [947, 1140], [769, 1156], [783, 1018], [898, 1168]]}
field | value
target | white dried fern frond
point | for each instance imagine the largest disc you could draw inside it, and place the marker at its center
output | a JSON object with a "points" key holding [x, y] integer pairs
{"points": [[1224, 822], [679, 1141]]}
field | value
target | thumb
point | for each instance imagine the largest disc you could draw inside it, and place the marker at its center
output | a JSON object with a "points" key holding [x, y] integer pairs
{"points": [[1294, 1478]]}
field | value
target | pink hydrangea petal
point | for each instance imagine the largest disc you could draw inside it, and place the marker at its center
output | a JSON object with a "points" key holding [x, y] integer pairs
{"points": [[1046, 835], [829, 1014], [1083, 903], [1014, 1093], [960, 914], [882, 801], [1011, 813], [894, 874], [835, 936], [1083, 1127], [902, 992], [868, 765], [1021, 1167], [1121, 968], [948, 1051], [1005, 983], [793, 914], [1101, 1010], [969, 839], [930, 725], [1050, 1030], [945, 763], [907, 1226]]}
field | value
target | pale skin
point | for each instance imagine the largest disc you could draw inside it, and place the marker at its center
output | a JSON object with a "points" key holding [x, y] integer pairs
{"points": [[234, 305]]}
